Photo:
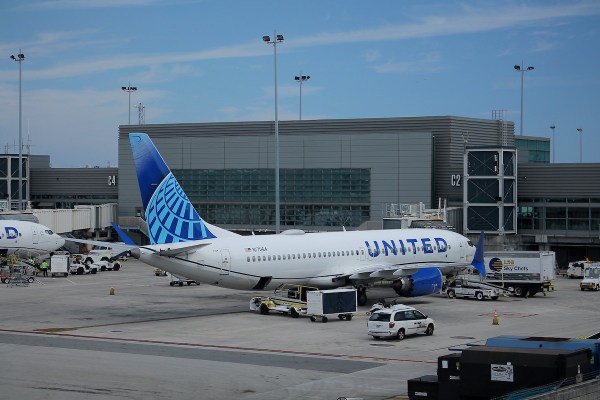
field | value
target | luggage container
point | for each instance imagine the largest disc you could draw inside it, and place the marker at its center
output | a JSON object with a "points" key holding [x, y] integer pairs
{"points": [[321, 303]]}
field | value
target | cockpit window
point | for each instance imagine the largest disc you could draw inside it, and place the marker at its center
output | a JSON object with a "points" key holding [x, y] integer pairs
{"points": [[470, 243], [49, 232]]}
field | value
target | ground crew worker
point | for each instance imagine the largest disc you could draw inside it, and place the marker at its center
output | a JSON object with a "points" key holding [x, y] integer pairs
{"points": [[45, 267]]}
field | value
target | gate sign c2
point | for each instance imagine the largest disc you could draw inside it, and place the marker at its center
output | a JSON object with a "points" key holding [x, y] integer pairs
{"points": [[502, 373], [455, 179]]}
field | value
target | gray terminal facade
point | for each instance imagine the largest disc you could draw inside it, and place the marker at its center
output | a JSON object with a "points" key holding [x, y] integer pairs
{"points": [[333, 173]]}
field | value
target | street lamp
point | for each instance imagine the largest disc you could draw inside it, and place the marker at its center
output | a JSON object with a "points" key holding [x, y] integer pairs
{"points": [[129, 89], [19, 58], [301, 78], [553, 142], [276, 39], [580, 130], [519, 68]]}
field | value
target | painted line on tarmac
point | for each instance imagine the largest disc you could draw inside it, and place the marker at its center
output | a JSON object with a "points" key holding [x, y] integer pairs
{"points": [[223, 347]]}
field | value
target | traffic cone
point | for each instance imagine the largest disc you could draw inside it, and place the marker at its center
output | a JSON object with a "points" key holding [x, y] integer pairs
{"points": [[495, 319]]}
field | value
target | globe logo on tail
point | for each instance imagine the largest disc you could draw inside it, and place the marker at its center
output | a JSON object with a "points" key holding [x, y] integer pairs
{"points": [[171, 216]]}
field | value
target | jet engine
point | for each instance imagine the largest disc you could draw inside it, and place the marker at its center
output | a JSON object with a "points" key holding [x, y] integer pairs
{"points": [[423, 282]]}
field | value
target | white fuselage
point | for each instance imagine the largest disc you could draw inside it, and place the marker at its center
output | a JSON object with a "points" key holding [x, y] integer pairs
{"points": [[27, 239], [315, 259]]}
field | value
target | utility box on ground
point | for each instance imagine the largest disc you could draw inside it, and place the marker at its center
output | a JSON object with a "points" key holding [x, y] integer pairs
{"points": [[489, 372]]}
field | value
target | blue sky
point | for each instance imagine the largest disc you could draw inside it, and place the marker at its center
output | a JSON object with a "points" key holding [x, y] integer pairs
{"points": [[199, 61]]}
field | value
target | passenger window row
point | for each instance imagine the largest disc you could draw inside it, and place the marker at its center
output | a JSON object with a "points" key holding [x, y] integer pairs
{"points": [[299, 256]]}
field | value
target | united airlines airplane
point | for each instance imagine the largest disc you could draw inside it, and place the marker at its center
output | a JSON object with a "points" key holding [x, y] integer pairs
{"points": [[27, 239], [184, 244]]}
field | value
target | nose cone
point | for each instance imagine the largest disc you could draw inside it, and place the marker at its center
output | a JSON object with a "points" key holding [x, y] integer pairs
{"points": [[60, 242]]}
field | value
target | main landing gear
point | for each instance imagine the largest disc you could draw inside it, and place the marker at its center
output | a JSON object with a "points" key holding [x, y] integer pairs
{"points": [[361, 295]]}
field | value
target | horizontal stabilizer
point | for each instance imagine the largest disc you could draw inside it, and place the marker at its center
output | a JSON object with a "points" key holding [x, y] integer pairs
{"points": [[174, 249]]}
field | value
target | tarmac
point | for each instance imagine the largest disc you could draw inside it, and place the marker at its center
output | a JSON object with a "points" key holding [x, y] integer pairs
{"points": [[68, 338]]}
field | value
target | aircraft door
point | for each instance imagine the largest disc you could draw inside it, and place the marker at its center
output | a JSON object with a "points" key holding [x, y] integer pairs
{"points": [[462, 251], [225, 262], [34, 235]]}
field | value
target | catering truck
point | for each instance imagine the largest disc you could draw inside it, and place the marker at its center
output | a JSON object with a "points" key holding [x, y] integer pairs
{"points": [[524, 273]]}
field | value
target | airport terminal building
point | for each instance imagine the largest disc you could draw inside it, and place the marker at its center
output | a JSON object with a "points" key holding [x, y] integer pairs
{"points": [[333, 173], [349, 173]]}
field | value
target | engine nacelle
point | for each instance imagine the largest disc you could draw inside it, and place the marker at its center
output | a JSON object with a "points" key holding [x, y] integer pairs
{"points": [[423, 282]]}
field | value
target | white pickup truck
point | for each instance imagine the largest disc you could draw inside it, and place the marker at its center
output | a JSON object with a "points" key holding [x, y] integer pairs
{"points": [[471, 290]]}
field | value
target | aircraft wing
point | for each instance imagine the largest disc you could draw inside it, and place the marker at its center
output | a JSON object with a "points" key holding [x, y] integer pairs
{"points": [[381, 271], [122, 247]]}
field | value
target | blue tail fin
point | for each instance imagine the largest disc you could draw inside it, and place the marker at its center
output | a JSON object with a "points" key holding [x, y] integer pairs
{"points": [[170, 215], [478, 261]]}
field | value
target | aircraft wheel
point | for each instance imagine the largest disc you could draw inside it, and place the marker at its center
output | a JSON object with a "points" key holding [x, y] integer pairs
{"points": [[362, 297]]}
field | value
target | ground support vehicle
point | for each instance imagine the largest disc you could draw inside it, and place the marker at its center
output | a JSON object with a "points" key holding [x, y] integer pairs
{"points": [[399, 321], [159, 272], [287, 298], [322, 304], [473, 289], [18, 275], [76, 267], [59, 264], [524, 273], [177, 280], [108, 258], [105, 265], [591, 278], [575, 269]]}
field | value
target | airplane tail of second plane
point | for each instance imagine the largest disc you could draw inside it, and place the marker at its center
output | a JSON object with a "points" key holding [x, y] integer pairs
{"points": [[170, 215]]}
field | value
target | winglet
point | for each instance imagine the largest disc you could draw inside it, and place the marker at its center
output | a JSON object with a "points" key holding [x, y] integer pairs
{"points": [[478, 261]]}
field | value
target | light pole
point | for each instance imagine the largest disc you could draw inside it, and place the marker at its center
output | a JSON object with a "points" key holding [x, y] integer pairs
{"points": [[19, 58], [553, 142], [580, 130], [519, 68], [301, 78], [129, 89], [276, 39]]}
